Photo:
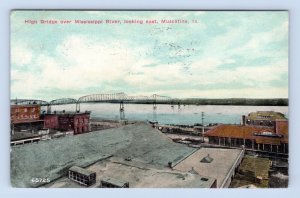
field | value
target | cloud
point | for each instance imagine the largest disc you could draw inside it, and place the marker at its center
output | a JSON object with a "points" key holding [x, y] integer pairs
{"points": [[81, 63], [146, 60], [256, 45], [20, 55]]}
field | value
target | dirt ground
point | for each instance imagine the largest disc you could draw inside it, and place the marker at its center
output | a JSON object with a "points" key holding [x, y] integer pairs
{"points": [[253, 170]]}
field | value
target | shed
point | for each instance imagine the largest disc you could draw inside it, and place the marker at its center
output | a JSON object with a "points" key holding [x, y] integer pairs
{"points": [[113, 183], [82, 176]]}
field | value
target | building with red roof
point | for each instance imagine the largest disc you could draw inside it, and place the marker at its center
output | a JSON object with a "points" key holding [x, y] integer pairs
{"points": [[268, 139]]}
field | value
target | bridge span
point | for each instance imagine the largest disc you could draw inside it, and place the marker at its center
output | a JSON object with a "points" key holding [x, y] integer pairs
{"points": [[120, 98]]}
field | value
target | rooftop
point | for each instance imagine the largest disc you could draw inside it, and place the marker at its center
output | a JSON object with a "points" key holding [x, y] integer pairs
{"points": [[114, 181], [67, 113], [139, 175], [80, 170], [248, 132], [22, 105], [207, 159], [52, 159], [263, 115], [223, 160]]}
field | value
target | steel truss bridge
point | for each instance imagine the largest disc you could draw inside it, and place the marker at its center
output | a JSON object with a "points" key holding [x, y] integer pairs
{"points": [[100, 98]]}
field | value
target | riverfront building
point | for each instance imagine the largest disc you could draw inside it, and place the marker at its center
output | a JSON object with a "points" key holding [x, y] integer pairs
{"points": [[256, 138], [66, 121], [25, 118], [263, 118], [28, 125]]}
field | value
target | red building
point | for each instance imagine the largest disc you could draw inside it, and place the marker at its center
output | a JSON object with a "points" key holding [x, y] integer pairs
{"points": [[51, 121], [252, 137], [25, 118], [24, 112], [65, 121]]}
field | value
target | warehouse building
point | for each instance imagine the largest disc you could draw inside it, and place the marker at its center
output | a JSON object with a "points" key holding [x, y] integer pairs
{"points": [[263, 118], [25, 118], [66, 121], [256, 138]]}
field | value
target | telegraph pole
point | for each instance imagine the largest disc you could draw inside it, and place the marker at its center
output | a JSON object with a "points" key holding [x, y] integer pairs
{"points": [[202, 118]]}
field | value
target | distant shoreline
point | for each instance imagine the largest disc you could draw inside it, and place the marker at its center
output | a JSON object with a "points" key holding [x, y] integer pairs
{"points": [[238, 101], [226, 101], [189, 101]]}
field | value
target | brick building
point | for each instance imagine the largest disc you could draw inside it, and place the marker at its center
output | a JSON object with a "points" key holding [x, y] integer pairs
{"points": [[51, 121], [65, 121], [25, 118]]}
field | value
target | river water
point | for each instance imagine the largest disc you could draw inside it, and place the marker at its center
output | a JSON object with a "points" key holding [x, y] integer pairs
{"points": [[166, 114]]}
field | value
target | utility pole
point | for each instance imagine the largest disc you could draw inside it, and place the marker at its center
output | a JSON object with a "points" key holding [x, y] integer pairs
{"points": [[202, 118]]}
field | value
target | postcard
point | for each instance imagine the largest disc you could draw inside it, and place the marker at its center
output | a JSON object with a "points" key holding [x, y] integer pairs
{"points": [[149, 99]]}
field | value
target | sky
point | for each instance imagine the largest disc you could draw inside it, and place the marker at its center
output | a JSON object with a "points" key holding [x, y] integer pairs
{"points": [[216, 54]]}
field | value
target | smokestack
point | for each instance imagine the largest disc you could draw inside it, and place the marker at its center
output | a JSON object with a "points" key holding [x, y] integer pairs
{"points": [[243, 120]]}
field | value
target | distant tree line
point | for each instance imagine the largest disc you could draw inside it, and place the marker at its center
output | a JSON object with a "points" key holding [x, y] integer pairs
{"points": [[207, 101], [237, 101], [225, 101]]}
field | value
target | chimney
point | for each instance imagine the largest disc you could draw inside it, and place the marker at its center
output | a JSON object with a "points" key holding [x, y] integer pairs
{"points": [[243, 120]]}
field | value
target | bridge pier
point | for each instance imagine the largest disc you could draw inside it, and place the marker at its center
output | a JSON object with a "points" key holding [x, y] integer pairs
{"points": [[154, 111], [78, 107], [121, 106], [154, 105], [48, 108], [122, 111], [154, 115]]}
